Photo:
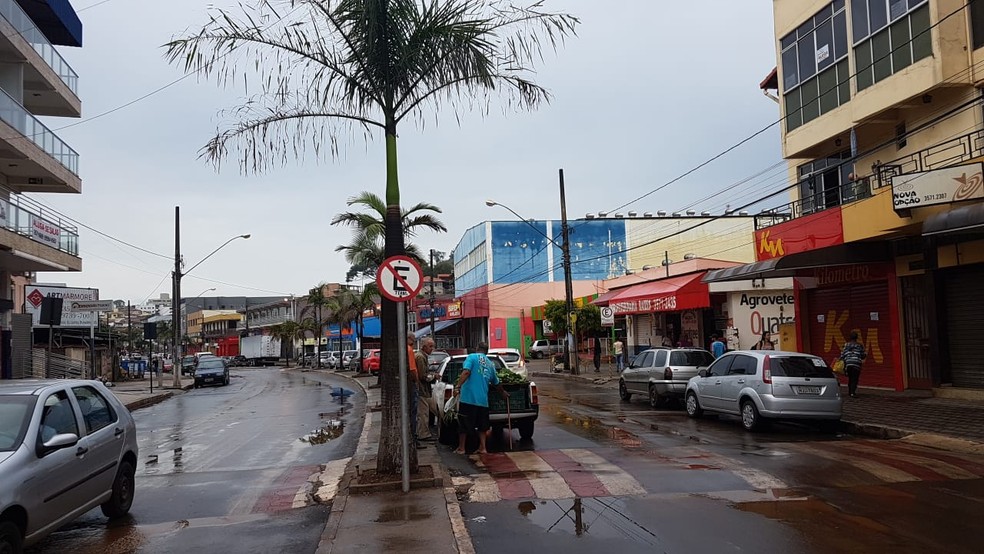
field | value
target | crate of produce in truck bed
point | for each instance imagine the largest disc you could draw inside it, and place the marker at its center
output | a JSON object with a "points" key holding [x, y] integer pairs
{"points": [[524, 405]]}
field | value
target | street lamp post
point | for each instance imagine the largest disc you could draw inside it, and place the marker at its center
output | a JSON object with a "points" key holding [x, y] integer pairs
{"points": [[566, 252], [176, 276]]}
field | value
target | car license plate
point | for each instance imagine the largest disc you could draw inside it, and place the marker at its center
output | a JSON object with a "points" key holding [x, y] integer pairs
{"points": [[808, 390], [208, 379]]}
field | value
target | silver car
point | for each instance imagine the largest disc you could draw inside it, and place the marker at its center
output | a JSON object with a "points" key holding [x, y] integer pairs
{"points": [[763, 385], [66, 446], [662, 373]]}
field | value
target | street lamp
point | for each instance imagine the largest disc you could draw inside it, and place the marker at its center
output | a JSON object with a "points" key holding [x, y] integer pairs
{"points": [[213, 288], [566, 250], [176, 276]]}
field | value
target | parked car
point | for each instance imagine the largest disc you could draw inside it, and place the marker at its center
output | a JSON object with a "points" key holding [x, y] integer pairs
{"points": [[188, 365], [238, 361], [662, 373], [763, 385], [542, 348], [211, 371], [347, 357], [524, 403], [512, 358], [370, 361], [329, 359], [66, 446], [435, 358]]}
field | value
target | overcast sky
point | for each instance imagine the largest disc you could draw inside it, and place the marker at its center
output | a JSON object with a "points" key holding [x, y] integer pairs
{"points": [[647, 91]]}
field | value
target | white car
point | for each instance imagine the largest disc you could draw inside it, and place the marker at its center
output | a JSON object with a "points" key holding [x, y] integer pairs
{"points": [[759, 385], [512, 358], [66, 446]]}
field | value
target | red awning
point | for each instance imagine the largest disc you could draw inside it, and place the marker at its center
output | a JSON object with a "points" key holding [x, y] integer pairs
{"points": [[684, 292], [603, 299]]}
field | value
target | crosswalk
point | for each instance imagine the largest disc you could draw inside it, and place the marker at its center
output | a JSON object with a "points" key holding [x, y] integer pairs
{"points": [[606, 472]]}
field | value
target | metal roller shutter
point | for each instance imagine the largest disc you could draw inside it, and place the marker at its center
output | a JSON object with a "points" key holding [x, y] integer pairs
{"points": [[642, 329], [964, 321]]}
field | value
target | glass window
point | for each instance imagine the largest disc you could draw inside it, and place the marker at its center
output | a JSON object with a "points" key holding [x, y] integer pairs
{"points": [[807, 58], [877, 14], [790, 77], [58, 417], [824, 52], [794, 116], [15, 416], [844, 78], [743, 365], [896, 9], [859, 19], [862, 60], [660, 358], [691, 358], [643, 360], [901, 51], [799, 366], [922, 44], [96, 411], [881, 49], [976, 23], [840, 35], [828, 91], [810, 96], [720, 366]]}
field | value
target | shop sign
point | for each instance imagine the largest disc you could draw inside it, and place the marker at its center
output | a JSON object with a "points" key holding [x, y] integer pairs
{"points": [[848, 274], [35, 294], [810, 232], [454, 310], [44, 231], [424, 313], [940, 186], [753, 313], [658, 304]]}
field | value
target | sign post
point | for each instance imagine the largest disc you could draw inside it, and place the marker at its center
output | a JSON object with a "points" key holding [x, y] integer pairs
{"points": [[399, 279], [96, 306]]}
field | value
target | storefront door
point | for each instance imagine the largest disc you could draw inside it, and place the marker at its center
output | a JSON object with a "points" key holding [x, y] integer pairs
{"points": [[915, 319], [964, 325]]}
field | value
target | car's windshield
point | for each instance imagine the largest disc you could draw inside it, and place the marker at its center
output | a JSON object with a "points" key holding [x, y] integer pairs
{"points": [[509, 357], [211, 363], [15, 415], [695, 358], [800, 366]]}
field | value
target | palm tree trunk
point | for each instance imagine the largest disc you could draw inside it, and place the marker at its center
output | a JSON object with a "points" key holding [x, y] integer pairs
{"points": [[389, 457]]}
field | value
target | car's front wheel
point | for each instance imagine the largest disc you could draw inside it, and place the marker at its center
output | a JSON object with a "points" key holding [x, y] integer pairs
{"points": [[623, 392], [11, 540], [693, 405], [750, 418], [122, 498]]}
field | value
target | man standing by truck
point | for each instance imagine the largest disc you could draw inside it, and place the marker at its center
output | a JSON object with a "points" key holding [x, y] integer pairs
{"points": [[472, 390]]}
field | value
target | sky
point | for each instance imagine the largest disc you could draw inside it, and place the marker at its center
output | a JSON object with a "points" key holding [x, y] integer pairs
{"points": [[643, 94]]}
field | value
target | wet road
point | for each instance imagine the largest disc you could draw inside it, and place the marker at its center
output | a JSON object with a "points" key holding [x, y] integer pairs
{"points": [[605, 475], [230, 467]]}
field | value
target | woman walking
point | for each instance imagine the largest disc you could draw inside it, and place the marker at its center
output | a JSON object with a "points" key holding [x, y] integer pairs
{"points": [[853, 355]]}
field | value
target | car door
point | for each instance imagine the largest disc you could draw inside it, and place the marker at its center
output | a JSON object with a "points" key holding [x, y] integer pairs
{"points": [[742, 370], [59, 474], [709, 388], [637, 379], [104, 435], [660, 359]]}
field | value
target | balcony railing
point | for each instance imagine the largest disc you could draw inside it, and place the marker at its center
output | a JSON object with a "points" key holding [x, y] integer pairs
{"points": [[14, 114], [20, 21], [21, 213]]}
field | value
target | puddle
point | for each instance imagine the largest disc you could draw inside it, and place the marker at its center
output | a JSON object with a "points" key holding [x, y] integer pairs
{"points": [[330, 431], [402, 513], [599, 518]]}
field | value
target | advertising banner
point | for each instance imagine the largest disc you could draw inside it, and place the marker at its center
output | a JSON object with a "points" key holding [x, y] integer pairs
{"points": [[754, 312], [940, 186], [70, 318], [44, 231]]}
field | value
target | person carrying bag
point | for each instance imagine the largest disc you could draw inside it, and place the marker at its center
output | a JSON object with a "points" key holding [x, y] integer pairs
{"points": [[853, 354]]}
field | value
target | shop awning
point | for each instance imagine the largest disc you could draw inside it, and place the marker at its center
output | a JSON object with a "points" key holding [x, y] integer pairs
{"points": [[960, 220], [438, 326], [684, 292], [786, 266], [603, 299]]}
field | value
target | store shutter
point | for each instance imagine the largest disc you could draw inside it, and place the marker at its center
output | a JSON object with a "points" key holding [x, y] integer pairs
{"points": [[642, 330], [964, 321]]}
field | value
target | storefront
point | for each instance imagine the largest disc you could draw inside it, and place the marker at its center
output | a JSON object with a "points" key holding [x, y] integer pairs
{"points": [[833, 302], [755, 306]]}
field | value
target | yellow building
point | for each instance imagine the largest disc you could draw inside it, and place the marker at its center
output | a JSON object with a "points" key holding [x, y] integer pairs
{"points": [[884, 234]]}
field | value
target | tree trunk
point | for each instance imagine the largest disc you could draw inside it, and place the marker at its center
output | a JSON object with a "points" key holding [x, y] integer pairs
{"points": [[390, 455]]}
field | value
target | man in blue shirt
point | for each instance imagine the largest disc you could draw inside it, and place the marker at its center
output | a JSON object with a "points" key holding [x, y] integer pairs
{"points": [[717, 346], [472, 389]]}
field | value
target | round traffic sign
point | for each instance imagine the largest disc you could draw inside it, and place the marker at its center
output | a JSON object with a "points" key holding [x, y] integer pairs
{"points": [[607, 313], [399, 278]]}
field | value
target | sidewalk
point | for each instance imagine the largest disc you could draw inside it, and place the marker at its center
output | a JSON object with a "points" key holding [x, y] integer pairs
{"points": [[946, 423], [135, 394], [425, 520]]}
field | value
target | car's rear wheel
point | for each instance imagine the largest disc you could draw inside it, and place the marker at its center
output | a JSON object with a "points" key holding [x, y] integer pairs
{"points": [[656, 400], [11, 540], [623, 392], [122, 498], [693, 405], [750, 418], [537, 355]]}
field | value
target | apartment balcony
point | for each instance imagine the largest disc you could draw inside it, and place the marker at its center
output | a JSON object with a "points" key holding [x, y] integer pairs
{"points": [[33, 240], [50, 85], [32, 157]]}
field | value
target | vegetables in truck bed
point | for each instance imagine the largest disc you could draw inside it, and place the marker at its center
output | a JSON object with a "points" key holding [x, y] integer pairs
{"points": [[507, 377]]}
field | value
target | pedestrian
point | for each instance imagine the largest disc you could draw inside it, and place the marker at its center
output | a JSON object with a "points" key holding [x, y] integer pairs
{"points": [[617, 349], [424, 407], [765, 343], [597, 354], [472, 390], [414, 386], [853, 354], [717, 346]]}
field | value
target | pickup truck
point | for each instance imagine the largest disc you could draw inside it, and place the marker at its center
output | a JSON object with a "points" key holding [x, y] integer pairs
{"points": [[524, 404]]}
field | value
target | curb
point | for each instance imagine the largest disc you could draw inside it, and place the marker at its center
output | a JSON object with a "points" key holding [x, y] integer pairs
{"points": [[148, 401], [921, 438]]}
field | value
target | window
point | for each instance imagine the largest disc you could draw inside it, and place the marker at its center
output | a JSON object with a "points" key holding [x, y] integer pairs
{"points": [[889, 35], [660, 358], [643, 360], [815, 73], [977, 22], [96, 411], [58, 417], [691, 358], [720, 366], [800, 366], [743, 365], [15, 416]]}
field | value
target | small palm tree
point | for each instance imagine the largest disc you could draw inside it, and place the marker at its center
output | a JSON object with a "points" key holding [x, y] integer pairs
{"points": [[288, 332], [369, 229], [313, 313], [341, 308]]}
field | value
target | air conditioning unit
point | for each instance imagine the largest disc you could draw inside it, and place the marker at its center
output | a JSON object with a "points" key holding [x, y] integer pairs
{"points": [[618, 215], [661, 213], [742, 213], [705, 214], [602, 214], [647, 214], [691, 212], [676, 214]]}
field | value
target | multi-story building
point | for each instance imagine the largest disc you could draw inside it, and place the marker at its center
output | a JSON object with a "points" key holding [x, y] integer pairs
{"points": [[215, 331], [882, 129], [34, 81]]}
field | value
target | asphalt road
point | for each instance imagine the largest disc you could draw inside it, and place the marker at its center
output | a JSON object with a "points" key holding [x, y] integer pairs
{"points": [[602, 475], [229, 468]]}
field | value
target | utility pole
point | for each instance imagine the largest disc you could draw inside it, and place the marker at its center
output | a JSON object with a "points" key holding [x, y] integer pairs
{"points": [[129, 330], [176, 297], [568, 285], [432, 293]]}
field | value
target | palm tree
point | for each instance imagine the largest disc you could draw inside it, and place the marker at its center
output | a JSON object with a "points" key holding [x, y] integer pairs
{"points": [[288, 332], [313, 312], [342, 313], [367, 248], [329, 68], [366, 301]]}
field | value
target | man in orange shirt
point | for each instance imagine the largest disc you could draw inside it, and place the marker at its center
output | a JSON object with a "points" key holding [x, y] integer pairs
{"points": [[413, 383]]}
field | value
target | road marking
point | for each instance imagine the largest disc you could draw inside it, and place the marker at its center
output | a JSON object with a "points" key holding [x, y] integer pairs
{"points": [[879, 470], [546, 482], [327, 481], [615, 480], [940, 467]]}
